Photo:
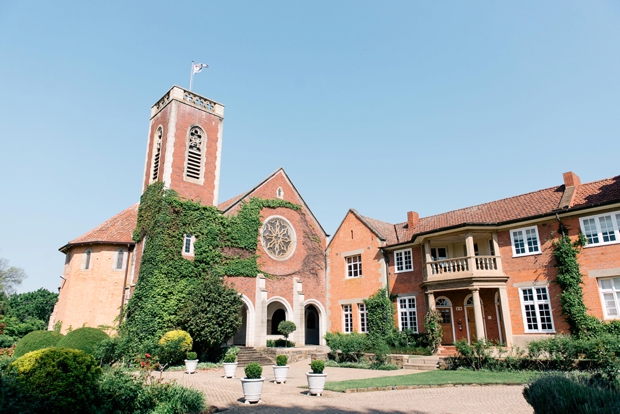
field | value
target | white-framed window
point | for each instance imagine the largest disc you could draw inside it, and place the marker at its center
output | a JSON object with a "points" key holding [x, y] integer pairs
{"points": [[601, 229], [525, 241], [536, 308], [354, 265], [361, 308], [86, 261], [407, 315], [403, 260], [610, 296], [188, 245], [439, 253], [120, 259], [347, 319]]}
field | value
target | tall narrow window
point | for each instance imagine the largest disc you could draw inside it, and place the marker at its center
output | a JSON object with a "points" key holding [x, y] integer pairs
{"points": [[363, 317], [610, 292], [120, 254], [87, 259], [193, 168], [536, 309], [188, 244], [407, 315], [158, 136], [347, 319]]}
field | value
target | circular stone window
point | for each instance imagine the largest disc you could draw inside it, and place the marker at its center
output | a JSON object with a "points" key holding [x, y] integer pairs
{"points": [[278, 238]]}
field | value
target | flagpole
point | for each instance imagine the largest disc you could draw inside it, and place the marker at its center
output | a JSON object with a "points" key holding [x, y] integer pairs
{"points": [[191, 77]]}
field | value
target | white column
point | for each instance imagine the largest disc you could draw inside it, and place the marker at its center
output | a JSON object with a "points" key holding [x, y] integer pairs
{"points": [[428, 258], [430, 296], [498, 257], [478, 314], [471, 252], [503, 303], [299, 336], [259, 339]]}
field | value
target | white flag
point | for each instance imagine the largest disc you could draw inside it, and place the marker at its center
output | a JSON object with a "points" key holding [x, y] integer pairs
{"points": [[198, 67]]}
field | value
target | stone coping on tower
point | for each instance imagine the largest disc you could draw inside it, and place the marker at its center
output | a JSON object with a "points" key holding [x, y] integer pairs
{"points": [[176, 93]]}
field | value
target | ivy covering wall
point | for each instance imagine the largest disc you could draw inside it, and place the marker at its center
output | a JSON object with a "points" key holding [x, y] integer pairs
{"points": [[168, 283]]}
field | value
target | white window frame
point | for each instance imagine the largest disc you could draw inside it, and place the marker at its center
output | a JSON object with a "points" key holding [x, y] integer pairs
{"points": [[536, 302], [436, 258], [363, 317], [188, 237], [347, 318], [410, 313], [353, 266], [615, 223], [614, 291], [403, 261], [528, 251]]}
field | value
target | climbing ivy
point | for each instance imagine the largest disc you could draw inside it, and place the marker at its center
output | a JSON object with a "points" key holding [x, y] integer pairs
{"points": [[224, 246]]}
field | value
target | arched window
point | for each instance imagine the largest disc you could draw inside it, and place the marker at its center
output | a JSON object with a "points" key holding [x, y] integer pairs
{"points": [[195, 146], [120, 257], [157, 154], [443, 302], [87, 255], [280, 193]]}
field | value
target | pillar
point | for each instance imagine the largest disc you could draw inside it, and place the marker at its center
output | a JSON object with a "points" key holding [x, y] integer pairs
{"points": [[503, 304], [478, 314], [471, 252], [430, 296]]}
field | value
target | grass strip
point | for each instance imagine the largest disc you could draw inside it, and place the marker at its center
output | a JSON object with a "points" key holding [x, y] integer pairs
{"points": [[436, 378]]}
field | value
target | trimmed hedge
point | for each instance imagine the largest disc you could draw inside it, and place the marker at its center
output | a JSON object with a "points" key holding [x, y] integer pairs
{"points": [[36, 340], [60, 379], [83, 339]]}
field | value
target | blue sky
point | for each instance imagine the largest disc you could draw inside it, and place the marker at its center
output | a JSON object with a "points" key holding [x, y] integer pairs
{"points": [[384, 107]]}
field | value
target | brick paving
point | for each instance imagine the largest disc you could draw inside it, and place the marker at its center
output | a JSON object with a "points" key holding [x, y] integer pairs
{"points": [[226, 394]]}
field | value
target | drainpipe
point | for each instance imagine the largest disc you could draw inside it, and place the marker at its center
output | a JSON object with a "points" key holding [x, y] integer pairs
{"points": [[129, 252]]}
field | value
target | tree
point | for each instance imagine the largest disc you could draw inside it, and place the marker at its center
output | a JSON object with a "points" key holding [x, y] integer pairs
{"points": [[212, 315], [10, 276], [286, 328], [32, 305]]}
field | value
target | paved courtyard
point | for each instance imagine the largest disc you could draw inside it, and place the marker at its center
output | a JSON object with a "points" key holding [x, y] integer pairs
{"points": [[226, 394]]}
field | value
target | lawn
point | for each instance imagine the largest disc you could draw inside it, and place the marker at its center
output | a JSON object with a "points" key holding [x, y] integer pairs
{"points": [[437, 378]]}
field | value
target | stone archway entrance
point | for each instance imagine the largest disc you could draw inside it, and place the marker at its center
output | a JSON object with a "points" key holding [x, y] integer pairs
{"points": [[276, 313], [240, 337], [312, 322]]}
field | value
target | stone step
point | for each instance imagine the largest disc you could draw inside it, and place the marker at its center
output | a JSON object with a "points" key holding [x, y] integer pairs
{"points": [[420, 367], [248, 354]]}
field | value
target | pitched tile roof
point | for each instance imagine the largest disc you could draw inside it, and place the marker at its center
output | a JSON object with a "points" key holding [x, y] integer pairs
{"points": [[118, 229], [537, 203]]}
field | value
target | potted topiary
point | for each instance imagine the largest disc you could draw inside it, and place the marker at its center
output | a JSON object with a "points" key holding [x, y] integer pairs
{"points": [[191, 362], [230, 362], [286, 328], [316, 378], [252, 383], [280, 370]]}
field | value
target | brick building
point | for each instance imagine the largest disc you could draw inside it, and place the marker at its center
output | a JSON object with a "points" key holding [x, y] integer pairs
{"points": [[488, 268], [184, 151]]}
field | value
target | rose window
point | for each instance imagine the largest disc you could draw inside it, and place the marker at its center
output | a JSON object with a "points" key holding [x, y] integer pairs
{"points": [[278, 238]]}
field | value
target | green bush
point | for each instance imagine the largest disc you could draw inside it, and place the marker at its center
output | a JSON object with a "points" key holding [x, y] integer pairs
{"points": [[230, 358], [253, 370], [84, 339], [434, 330], [107, 351], [175, 399], [173, 346], [346, 347], [559, 394], [281, 360], [286, 328], [36, 340], [317, 366], [280, 343], [191, 356], [380, 314], [61, 379], [7, 341], [233, 350]]}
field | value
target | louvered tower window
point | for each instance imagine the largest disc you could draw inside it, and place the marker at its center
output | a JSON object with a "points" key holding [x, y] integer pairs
{"points": [[158, 136], [194, 153]]}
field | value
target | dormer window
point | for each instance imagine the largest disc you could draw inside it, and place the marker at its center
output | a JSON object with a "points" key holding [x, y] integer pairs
{"points": [[157, 154], [195, 148]]}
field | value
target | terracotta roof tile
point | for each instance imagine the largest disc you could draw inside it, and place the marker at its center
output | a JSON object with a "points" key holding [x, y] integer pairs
{"points": [[118, 229]]}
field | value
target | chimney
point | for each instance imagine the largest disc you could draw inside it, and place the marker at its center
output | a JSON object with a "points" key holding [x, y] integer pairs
{"points": [[412, 219], [571, 179], [571, 182]]}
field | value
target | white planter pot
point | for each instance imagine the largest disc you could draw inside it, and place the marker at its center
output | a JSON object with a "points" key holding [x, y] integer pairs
{"points": [[280, 373], [229, 369], [252, 389], [190, 365], [316, 383]]}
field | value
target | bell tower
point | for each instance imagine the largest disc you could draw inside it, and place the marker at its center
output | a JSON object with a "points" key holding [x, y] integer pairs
{"points": [[185, 145]]}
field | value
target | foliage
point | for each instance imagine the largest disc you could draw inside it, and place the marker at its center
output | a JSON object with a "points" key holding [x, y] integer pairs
{"points": [[281, 360], [279, 343], [253, 370], [10, 276], [286, 328], [432, 323], [346, 347], [85, 339], [32, 305], [476, 356], [36, 340], [61, 379], [191, 356], [233, 350], [230, 358], [7, 341], [317, 366], [173, 345], [107, 351], [362, 365], [561, 393], [380, 314]]}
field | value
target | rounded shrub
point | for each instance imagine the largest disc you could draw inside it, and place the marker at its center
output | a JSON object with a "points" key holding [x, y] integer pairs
{"points": [[253, 370], [83, 339], [36, 340], [230, 358], [286, 328], [173, 346], [281, 360], [191, 356], [317, 366], [60, 379]]}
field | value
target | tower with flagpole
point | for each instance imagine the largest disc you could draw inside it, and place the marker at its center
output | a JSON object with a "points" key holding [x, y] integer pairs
{"points": [[196, 68]]}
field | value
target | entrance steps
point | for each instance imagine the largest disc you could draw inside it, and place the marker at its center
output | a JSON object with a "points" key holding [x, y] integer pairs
{"points": [[446, 351], [422, 363], [248, 354]]}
